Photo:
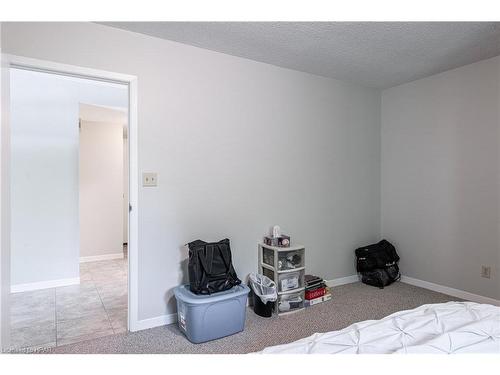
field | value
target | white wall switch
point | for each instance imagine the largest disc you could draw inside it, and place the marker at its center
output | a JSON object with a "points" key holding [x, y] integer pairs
{"points": [[149, 179]]}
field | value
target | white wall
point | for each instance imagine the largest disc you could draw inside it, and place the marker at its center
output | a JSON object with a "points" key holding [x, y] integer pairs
{"points": [[44, 172], [4, 200], [238, 146], [440, 176], [101, 189]]}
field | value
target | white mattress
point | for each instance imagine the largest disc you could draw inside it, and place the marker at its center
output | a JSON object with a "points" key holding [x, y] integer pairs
{"points": [[453, 327]]}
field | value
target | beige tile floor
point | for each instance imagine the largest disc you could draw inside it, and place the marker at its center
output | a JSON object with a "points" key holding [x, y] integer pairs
{"points": [[58, 316]]}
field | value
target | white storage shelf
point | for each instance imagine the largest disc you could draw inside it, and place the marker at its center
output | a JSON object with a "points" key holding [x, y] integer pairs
{"points": [[286, 266]]}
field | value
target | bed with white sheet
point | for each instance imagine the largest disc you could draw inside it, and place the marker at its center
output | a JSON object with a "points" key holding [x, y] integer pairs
{"points": [[452, 327]]}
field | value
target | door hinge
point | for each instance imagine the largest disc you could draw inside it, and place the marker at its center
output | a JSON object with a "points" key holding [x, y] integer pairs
{"points": [[129, 207]]}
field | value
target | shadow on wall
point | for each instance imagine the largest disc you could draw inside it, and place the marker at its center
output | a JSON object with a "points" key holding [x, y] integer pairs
{"points": [[182, 277]]}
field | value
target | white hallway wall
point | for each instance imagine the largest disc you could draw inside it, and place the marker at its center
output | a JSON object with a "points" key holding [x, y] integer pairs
{"points": [[441, 176], [101, 189], [44, 173], [238, 146]]}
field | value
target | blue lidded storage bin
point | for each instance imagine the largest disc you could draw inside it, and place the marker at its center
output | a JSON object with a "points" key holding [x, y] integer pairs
{"points": [[208, 317]]}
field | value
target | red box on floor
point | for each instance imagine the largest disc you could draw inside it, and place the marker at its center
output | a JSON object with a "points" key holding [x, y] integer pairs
{"points": [[312, 294]]}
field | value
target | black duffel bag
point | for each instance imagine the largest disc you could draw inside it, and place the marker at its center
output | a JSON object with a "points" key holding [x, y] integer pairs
{"points": [[210, 267], [378, 264]]}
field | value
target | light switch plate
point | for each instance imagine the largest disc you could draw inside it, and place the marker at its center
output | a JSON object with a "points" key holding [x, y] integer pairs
{"points": [[149, 179]]}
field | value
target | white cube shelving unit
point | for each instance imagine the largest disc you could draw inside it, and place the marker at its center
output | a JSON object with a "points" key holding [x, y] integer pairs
{"points": [[286, 266]]}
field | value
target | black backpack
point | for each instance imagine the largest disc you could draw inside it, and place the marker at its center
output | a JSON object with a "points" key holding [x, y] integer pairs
{"points": [[210, 267], [378, 264]]}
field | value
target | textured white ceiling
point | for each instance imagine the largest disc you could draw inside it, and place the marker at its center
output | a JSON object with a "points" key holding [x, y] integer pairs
{"points": [[374, 54]]}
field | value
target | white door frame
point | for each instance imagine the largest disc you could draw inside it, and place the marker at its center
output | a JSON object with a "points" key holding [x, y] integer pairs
{"points": [[10, 61]]}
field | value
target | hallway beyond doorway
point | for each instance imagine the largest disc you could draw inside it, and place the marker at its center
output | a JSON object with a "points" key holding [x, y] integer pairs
{"points": [[58, 316]]}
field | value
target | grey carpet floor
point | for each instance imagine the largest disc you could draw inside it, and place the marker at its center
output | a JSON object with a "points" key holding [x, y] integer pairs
{"points": [[350, 303]]}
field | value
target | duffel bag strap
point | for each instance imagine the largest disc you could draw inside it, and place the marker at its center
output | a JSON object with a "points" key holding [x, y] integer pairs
{"points": [[209, 251], [204, 263], [206, 259], [224, 255]]}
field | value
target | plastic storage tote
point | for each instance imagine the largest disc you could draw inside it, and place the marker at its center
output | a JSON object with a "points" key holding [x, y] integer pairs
{"points": [[208, 317]]}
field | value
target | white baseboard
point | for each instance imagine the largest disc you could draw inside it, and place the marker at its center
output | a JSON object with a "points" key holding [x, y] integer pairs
{"points": [[343, 280], [17, 288], [97, 258], [450, 291], [158, 321], [426, 285], [172, 318]]}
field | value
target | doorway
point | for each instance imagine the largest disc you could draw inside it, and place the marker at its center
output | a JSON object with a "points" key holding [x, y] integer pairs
{"points": [[103, 196], [65, 296]]}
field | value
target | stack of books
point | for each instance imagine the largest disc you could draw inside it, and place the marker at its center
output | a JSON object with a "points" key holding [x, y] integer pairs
{"points": [[316, 290]]}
